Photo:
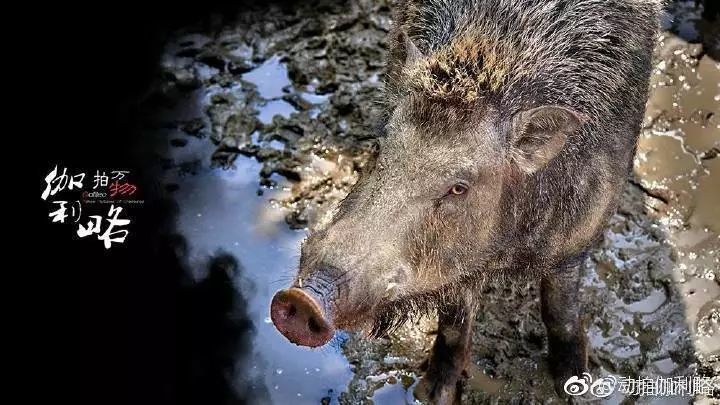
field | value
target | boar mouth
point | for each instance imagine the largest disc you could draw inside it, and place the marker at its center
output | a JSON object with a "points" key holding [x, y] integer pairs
{"points": [[389, 316]]}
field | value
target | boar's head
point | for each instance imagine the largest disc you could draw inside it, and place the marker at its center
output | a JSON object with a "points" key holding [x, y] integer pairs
{"points": [[428, 215]]}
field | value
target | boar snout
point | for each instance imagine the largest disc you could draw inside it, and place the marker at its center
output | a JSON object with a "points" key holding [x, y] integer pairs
{"points": [[300, 318]]}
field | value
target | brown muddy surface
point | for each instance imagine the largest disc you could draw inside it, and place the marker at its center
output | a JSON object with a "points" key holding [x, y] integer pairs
{"points": [[270, 116]]}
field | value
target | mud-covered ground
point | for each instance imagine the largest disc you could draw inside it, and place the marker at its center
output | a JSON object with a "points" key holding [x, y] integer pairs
{"points": [[294, 87]]}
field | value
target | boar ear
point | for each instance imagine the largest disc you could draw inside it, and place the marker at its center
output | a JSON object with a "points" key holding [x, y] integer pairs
{"points": [[538, 135], [409, 50]]}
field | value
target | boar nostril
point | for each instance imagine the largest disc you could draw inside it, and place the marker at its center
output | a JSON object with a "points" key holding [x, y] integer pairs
{"points": [[290, 312], [313, 326]]}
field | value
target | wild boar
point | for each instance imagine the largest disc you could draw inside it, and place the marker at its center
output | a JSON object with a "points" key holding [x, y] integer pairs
{"points": [[508, 131]]}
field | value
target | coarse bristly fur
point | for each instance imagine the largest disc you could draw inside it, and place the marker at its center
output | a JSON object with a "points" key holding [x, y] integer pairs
{"points": [[513, 53]]}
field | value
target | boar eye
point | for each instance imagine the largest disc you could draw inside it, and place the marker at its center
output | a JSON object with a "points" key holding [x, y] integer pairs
{"points": [[458, 189]]}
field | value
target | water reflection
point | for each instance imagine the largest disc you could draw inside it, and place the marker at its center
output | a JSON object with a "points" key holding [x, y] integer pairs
{"points": [[221, 209]]}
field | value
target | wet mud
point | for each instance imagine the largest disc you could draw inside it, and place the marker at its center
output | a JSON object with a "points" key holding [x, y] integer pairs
{"points": [[270, 116]]}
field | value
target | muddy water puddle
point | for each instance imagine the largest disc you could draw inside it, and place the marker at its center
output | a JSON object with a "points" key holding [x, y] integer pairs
{"points": [[226, 210], [677, 159], [221, 211], [274, 119]]}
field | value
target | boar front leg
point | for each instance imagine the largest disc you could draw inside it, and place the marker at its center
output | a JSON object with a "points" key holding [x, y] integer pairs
{"points": [[450, 354], [561, 315]]}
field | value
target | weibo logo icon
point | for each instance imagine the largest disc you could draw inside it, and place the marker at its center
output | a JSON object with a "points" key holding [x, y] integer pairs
{"points": [[600, 388]]}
